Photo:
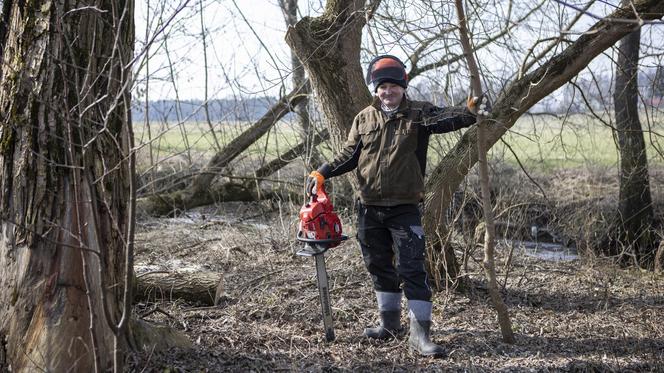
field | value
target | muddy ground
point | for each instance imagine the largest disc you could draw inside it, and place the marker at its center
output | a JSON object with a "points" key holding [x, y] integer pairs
{"points": [[577, 315]]}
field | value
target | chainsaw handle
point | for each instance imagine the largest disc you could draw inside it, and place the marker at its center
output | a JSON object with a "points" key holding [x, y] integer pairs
{"points": [[320, 193]]}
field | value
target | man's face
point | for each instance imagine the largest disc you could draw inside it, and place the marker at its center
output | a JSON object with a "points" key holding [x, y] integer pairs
{"points": [[390, 94]]}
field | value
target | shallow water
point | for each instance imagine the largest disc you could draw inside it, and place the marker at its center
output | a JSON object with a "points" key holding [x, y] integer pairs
{"points": [[542, 250]]}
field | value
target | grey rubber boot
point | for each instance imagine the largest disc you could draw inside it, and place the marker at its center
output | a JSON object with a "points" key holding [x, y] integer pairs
{"points": [[420, 329], [389, 305]]}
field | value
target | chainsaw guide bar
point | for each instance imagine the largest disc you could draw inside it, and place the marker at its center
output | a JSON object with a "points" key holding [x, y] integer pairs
{"points": [[320, 229]]}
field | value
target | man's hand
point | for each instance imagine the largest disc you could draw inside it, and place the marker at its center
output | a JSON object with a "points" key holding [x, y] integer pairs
{"points": [[484, 106], [314, 181]]}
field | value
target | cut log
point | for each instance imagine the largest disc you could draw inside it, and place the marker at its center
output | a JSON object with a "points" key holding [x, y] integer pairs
{"points": [[200, 287]]}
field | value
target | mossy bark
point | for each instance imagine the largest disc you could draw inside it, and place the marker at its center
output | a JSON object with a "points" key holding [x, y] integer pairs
{"points": [[64, 116]]}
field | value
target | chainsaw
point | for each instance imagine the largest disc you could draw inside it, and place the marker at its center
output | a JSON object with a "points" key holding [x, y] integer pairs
{"points": [[320, 229]]}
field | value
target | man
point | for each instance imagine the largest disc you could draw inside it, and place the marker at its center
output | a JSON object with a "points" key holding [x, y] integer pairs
{"points": [[387, 146]]}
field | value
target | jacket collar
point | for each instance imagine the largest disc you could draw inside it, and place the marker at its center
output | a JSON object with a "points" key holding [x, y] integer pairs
{"points": [[404, 106]]}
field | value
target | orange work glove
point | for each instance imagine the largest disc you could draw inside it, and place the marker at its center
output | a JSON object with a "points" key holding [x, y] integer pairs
{"points": [[314, 181]]}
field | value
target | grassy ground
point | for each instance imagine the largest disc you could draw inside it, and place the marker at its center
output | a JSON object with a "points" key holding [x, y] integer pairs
{"points": [[546, 143]]}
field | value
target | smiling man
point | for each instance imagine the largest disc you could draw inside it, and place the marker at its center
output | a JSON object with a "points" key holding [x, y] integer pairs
{"points": [[387, 148]]}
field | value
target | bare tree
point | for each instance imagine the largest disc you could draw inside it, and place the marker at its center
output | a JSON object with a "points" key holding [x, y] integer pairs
{"points": [[635, 212], [522, 93], [490, 227], [337, 81], [329, 48]]}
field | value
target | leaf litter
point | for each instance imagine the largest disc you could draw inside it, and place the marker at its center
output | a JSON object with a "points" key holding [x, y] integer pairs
{"points": [[578, 315]]}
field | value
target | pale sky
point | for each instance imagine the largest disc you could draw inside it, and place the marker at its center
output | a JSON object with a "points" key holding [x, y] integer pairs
{"points": [[236, 56], [246, 62]]}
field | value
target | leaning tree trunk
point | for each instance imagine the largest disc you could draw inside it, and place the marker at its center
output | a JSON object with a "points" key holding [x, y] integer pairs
{"points": [[522, 94], [64, 112], [200, 192], [635, 212]]}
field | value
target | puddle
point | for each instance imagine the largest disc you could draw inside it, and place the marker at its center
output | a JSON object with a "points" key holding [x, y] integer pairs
{"points": [[542, 250]]}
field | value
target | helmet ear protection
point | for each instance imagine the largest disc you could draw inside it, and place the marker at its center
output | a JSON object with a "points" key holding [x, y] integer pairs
{"points": [[370, 68]]}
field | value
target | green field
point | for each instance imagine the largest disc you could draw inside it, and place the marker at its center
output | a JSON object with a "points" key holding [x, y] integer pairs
{"points": [[541, 143], [195, 140], [547, 143]]}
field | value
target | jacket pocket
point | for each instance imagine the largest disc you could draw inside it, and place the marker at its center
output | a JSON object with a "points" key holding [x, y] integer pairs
{"points": [[368, 163], [408, 182], [368, 128]]}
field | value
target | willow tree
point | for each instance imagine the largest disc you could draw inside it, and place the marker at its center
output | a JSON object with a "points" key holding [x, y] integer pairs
{"points": [[66, 184], [329, 47], [532, 86]]}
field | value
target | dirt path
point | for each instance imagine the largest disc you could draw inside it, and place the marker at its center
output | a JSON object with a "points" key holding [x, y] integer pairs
{"points": [[567, 316]]}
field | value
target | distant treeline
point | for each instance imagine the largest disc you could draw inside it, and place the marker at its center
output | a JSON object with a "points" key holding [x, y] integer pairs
{"points": [[565, 100], [229, 110]]}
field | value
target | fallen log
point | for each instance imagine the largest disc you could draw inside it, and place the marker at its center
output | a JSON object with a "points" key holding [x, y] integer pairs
{"points": [[172, 203], [220, 160], [198, 191], [200, 287]]}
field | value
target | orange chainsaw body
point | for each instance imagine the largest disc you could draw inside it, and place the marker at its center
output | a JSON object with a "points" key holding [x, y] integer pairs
{"points": [[318, 222]]}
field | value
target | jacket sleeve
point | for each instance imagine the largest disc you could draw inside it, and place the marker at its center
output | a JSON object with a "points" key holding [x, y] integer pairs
{"points": [[346, 159], [440, 120]]}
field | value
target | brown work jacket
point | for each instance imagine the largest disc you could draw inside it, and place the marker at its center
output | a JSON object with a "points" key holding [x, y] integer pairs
{"points": [[388, 153]]}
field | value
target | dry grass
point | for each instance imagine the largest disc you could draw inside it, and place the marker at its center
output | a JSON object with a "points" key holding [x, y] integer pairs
{"points": [[586, 315]]}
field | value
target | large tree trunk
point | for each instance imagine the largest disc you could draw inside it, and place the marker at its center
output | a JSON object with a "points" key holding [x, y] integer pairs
{"points": [[521, 95], [635, 213], [329, 48], [65, 142]]}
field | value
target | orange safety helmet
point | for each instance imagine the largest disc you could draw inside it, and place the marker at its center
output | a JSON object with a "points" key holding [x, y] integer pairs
{"points": [[386, 68]]}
